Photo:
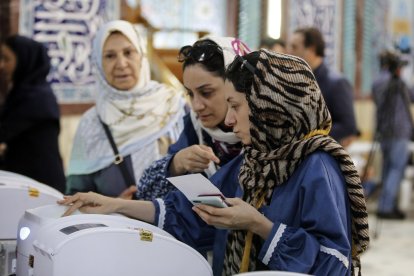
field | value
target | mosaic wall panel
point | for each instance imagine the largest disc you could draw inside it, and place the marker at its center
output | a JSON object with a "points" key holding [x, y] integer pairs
{"points": [[67, 29], [349, 40], [326, 15], [180, 15], [249, 22]]}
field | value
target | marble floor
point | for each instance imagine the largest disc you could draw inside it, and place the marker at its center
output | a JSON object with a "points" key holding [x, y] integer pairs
{"points": [[391, 251]]}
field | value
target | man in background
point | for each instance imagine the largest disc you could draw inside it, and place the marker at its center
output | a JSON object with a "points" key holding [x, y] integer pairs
{"points": [[394, 130], [275, 45], [308, 44]]}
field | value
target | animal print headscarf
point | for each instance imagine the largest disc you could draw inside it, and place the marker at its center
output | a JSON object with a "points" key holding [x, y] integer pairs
{"points": [[288, 121]]}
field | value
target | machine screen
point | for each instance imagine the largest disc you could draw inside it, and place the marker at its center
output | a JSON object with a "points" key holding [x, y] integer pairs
{"points": [[74, 228]]}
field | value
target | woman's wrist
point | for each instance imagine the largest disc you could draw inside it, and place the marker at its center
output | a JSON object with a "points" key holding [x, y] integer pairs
{"points": [[118, 205], [138, 209], [261, 226], [175, 168]]}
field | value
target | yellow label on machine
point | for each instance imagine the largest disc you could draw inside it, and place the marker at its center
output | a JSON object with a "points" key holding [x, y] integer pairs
{"points": [[34, 192], [146, 235]]}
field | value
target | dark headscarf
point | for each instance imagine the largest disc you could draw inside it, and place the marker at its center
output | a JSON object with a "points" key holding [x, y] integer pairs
{"points": [[33, 63], [31, 95], [289, 120]]}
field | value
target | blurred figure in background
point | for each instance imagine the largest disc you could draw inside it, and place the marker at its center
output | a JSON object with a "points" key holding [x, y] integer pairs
{"points": [[133, 122], [275, 45], [308, 44], [394, 130], [29, 120]]}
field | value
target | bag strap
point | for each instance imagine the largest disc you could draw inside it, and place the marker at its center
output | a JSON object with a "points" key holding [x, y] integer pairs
{"points": [[119, 160]]}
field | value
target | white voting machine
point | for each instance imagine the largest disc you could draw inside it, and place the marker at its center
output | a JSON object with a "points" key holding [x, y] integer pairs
{"points": [[89, 244], [18, 193]]}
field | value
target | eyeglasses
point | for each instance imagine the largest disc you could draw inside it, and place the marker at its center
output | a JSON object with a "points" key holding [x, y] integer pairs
{"points": [[238, 63], [199, 53]]}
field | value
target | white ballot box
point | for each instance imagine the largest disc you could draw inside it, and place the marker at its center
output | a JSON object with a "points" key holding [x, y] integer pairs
{"points": [[39, 219], [18, 193], [85, 245]]}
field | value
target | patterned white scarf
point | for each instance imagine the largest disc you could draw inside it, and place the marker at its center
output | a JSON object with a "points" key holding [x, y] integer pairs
{"points": [[231, 47], [137, 118]]}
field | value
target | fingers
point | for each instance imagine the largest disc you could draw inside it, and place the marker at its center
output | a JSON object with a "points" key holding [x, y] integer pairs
{"points": [[212, 215], [132, 189], [193, 159], [211, 210], [67, 200], [75, 202], [129, 192], [233, 201], [195, 166], [208, 153], [72, 208], [202, 153]]}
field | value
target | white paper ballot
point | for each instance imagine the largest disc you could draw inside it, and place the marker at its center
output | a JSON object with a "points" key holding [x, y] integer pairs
{"points": [[194, 185]]}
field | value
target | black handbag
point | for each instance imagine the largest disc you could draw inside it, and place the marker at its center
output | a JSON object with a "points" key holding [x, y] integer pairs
{"points": [[119, 160]]}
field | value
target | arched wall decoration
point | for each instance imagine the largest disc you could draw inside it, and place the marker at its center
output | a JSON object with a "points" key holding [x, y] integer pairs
{"points": [[349, 40], [326, 16], [249, 22], [67, 29]]}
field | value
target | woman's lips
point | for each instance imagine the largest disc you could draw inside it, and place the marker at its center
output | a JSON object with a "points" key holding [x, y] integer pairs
{"points": [[204, 117], [122, 77]]}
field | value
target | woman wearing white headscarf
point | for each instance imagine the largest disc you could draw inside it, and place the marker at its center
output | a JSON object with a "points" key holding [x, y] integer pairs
{"points": [[139, 113]]}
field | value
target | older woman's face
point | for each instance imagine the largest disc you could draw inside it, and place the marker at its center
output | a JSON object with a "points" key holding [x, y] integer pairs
{"points": [[206, 93], [238, 113], [8, 62], [121, 62]]}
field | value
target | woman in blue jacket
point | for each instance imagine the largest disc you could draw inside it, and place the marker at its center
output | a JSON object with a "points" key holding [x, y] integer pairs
{"points": [[206, 143], [296, 202]]}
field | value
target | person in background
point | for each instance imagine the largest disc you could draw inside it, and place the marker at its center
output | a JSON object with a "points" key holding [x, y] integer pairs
{"points": [[206, 143], [291, 179], [308, 44], [394, 130], [133, 122], [276, 45], [29, 119]]}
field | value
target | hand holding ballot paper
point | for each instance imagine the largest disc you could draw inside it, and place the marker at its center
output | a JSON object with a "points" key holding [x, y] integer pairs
{"points": [[199, 190], [240, 215]]}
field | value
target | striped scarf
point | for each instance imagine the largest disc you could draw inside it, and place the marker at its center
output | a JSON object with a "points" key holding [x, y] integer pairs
{"points": [[288, 121]]}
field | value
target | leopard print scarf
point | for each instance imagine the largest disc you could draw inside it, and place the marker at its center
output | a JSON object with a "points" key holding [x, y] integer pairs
{"points": [[290, 122]]}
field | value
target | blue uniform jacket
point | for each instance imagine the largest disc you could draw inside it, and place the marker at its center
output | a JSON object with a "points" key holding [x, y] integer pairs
{"points": [[153, 183], [310, 212]]}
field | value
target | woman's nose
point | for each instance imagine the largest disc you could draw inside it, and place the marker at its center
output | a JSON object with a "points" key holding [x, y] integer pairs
{"points": [[198, 104], [121, 61], [229, 119]]}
